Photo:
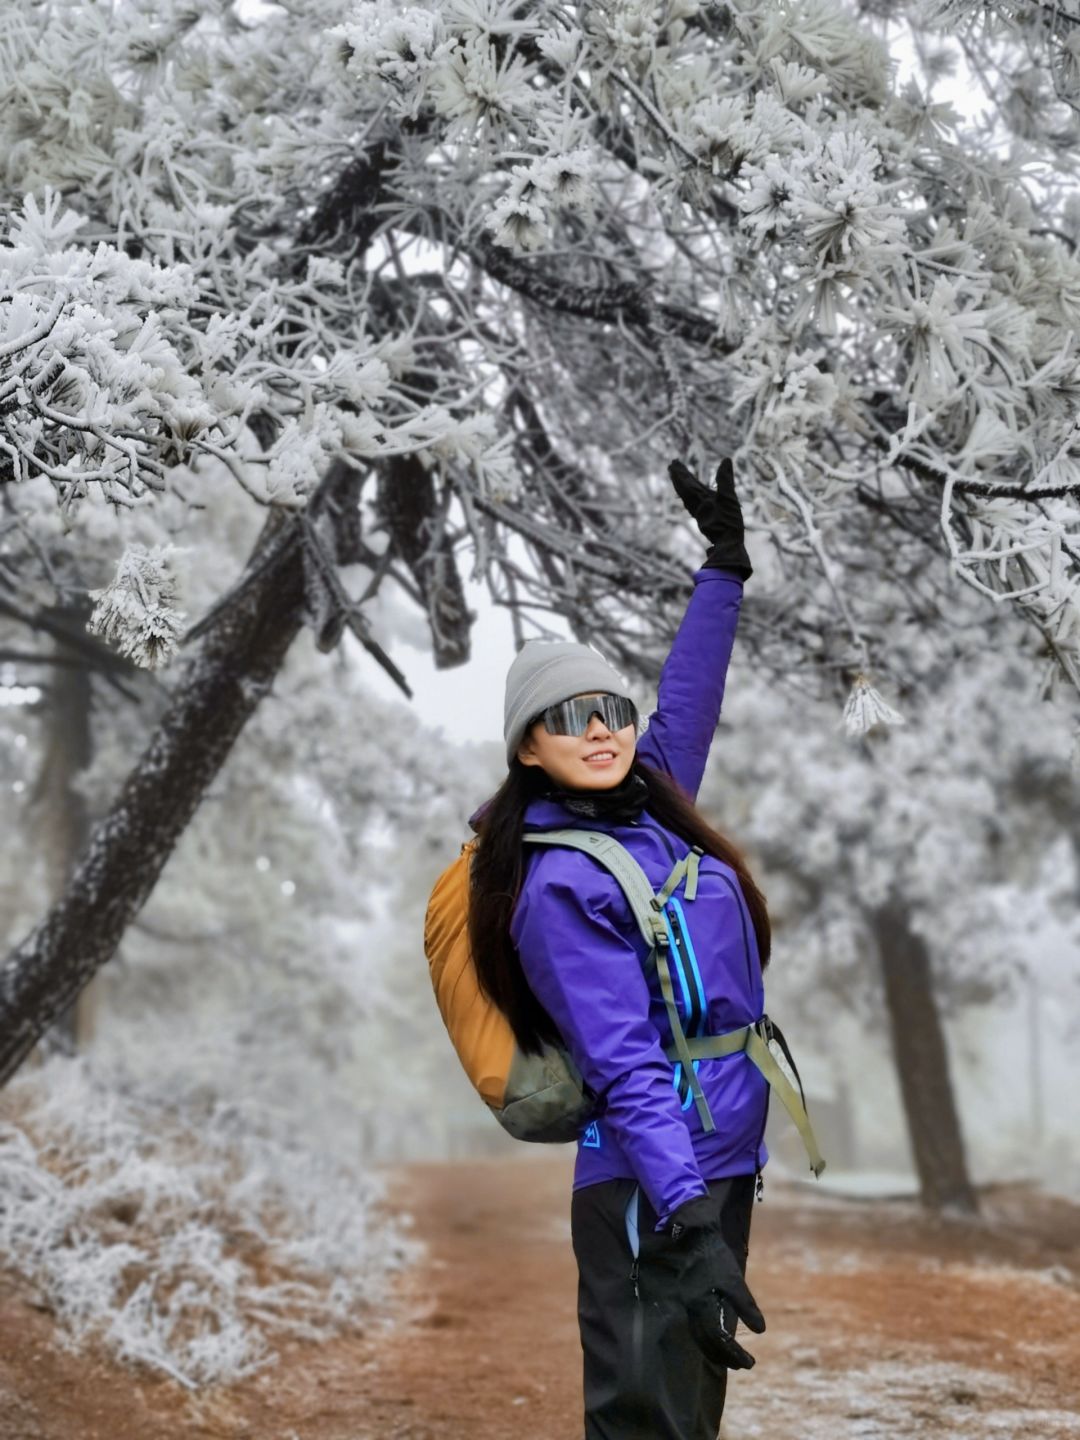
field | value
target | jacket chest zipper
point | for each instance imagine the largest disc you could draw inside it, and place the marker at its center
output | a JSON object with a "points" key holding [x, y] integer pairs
{"points": [[734, 895], [645, 825], [696, 1014]]}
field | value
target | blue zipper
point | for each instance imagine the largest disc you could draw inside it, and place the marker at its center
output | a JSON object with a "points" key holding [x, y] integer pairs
{"points": [[682, 1085], [694, 1002], [749, 976], [727, 882]]}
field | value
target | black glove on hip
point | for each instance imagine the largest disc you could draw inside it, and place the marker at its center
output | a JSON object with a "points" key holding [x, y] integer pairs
{"points": [[712, 1285], [718, 515]]}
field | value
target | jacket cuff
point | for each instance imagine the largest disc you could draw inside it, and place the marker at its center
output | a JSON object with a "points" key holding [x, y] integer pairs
{"points": [[717, 572], [664, 1220]]}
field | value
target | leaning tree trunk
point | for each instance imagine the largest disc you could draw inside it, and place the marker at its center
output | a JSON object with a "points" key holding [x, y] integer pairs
{"points": [[128, 848], [922, 1061]]}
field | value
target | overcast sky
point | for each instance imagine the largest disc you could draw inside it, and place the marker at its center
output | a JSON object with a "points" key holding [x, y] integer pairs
{"points": [[466, 701]]}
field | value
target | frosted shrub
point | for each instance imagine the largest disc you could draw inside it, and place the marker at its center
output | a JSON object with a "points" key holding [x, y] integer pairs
{"points": [[181, 1233]]}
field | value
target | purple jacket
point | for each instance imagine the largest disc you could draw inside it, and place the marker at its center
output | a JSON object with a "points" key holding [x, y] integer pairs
{"points": [[582, 952]]}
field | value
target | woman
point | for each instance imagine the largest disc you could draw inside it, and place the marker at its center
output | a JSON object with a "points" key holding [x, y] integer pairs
{"points": [[660, 1213]]}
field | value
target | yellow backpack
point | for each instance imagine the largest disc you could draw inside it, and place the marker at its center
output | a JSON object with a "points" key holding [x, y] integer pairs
{"points": [[534, 1097]]}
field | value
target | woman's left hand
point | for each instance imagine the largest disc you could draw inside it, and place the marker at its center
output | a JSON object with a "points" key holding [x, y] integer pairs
{"points": [[718, 515], [711, 1277]]}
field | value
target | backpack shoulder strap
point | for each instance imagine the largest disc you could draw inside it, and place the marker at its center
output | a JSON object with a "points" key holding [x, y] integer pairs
{"points": [[648, 909], [615, 857]]}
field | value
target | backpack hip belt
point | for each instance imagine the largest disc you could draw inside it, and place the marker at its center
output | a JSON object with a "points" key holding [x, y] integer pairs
{"points": [[754, 1040]]}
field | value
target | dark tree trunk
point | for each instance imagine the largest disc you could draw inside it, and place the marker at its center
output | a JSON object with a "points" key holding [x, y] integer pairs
{"points": [[213, 699], [922, 1061], [416, 518]]}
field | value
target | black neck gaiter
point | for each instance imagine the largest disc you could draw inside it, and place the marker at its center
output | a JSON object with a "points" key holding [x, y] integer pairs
{"points": [[621, 802]]}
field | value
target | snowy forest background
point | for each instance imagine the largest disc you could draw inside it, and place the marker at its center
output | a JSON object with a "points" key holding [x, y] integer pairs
{"points": [[326, 326]]}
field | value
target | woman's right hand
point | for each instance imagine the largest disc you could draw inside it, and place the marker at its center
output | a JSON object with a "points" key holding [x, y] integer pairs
{"points": [[718, 515]]}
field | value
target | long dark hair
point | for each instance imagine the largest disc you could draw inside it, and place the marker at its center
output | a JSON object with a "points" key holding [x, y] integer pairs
{"points": [[497, 870]]}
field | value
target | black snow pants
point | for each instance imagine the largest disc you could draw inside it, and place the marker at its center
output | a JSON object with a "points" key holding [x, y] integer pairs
{"points": [[645, 1379]]}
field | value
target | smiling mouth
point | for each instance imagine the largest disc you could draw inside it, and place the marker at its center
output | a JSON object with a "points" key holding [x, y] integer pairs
{"points": [[600, 757]]}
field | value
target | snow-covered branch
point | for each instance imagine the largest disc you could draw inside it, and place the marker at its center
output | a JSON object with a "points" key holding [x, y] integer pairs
{"points": [[694, 228]]}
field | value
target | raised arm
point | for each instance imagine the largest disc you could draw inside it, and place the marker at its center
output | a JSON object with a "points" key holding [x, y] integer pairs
{"points": [[691, 689]]}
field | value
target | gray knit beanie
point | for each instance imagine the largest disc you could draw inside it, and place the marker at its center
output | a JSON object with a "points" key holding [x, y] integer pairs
{"points": [[547, 671]]}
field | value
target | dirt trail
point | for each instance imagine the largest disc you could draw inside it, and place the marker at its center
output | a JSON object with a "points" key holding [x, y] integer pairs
{"points": [[881, 1324]]}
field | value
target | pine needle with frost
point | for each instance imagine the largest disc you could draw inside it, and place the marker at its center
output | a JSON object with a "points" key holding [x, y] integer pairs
{"points": [[866, 708]]}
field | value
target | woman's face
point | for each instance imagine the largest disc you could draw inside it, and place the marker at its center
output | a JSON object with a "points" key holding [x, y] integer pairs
{"points": [[565, 758]]}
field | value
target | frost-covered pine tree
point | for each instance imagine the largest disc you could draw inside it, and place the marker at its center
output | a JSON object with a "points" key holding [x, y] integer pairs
{"points": [[445, 282]]}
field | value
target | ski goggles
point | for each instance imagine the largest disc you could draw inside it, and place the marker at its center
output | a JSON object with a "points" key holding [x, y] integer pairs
{"points": [[571, 717]]}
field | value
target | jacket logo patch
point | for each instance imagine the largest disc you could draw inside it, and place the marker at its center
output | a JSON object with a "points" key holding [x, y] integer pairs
{"points": [[590, 1136]]}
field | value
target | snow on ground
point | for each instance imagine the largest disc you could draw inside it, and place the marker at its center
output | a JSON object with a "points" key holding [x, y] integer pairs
{"points": [[891, 1399], [944, 1330], [184, 1234]]}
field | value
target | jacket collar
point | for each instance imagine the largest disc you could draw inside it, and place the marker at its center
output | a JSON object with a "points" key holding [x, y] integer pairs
{"points": [[543, 814]]}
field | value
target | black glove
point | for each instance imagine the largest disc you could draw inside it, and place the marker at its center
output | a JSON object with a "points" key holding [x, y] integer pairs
{"points": [[718, 515], [712, 1285]]}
